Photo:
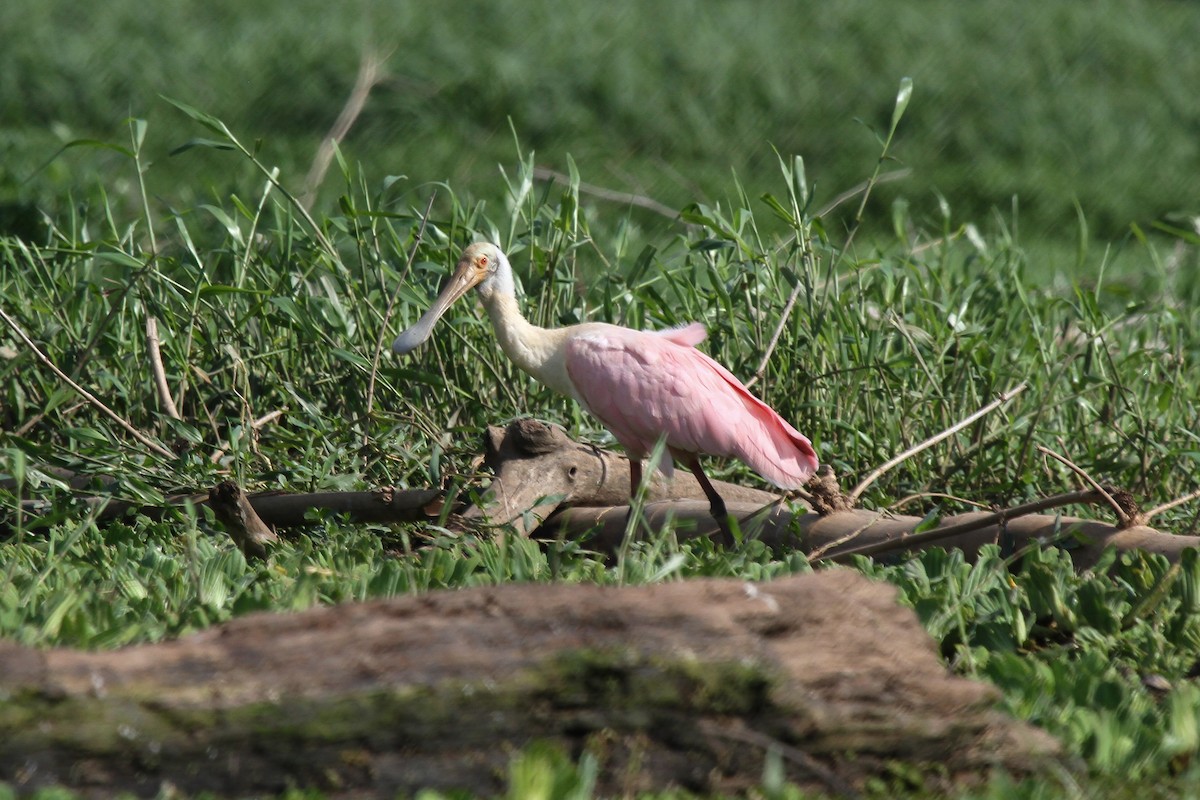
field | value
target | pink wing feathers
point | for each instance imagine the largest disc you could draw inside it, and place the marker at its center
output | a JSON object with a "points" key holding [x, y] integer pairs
{"points": [[643, 385]]}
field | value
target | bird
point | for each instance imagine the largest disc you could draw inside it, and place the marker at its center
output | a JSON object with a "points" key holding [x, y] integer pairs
{"points": [[644, 386]]}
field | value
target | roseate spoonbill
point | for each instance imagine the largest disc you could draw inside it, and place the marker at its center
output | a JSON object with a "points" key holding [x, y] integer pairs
{"points": [[643, 385]]}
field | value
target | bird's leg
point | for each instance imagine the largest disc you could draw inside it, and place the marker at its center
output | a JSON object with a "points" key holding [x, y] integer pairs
{"points": [[716, 505], [635, 483]]}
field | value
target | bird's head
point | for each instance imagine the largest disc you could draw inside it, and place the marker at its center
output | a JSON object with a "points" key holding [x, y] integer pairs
{"points": [[481, 264]]}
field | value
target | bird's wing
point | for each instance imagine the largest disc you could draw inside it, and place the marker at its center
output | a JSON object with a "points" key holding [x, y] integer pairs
{"points": [[762, 438], [689, 335], [643, 386]]}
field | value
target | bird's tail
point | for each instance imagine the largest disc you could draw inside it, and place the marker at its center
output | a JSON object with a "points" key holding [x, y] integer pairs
{"points": [[781, 454]]}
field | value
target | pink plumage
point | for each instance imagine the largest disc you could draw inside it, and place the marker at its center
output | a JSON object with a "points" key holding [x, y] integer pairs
{"points": [[646, 385]]}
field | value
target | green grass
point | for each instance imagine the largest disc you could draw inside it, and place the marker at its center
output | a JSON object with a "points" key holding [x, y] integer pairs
{"points": [[891, 340], [1055, 104]]}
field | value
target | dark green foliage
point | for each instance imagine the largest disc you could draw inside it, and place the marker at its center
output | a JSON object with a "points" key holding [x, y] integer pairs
{"points": [[1055, 104], [264, 309], [1078, 654]]}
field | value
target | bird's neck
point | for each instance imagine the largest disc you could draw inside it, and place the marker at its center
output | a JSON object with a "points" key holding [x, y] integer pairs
{"points": [[537, 351]]}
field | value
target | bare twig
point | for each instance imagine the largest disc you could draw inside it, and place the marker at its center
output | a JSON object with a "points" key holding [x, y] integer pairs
{"points": [[368, 78], [903, 501], [387, 315], [818, 553], [255, 425], [30, 423], [925, 445], [625, 198], [1125, 519], [926, 537], [1187, 498], [84, 393], [156, 366], [802, 231], [805, 258], [886, 177], [267, 418], [85, 355]]}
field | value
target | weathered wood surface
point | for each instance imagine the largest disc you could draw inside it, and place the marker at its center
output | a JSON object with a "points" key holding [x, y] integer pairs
{"points": [[547, 485], [538, 469], [682, 684], [810, 533]]}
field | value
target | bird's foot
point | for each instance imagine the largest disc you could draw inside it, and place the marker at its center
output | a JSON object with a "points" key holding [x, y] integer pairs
{"points": [[724, 538]]}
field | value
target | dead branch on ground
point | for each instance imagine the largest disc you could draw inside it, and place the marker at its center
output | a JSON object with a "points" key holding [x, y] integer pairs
{"points": [[548, 486], [685, 684]]}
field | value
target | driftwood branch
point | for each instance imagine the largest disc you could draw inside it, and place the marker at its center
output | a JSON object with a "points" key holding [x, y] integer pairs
{"points": [[234, 510], [685, 685], [539, 469], [281, 510], [1084, 539], [548, 486], [918, 540]]}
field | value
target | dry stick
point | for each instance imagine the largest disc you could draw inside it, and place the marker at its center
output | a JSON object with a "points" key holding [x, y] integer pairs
{"points": [[806, 255], [387, 315], [84, 393], [156, 366], [270, 416], [903, 501], [1123, 518], [926, 537], [819, 553], [83, 357], [368, 77], [627, 198], [852, 498], [849, 194], [1149, 515], [29, 424], [887, 177], [778, 332], [255, 425]]}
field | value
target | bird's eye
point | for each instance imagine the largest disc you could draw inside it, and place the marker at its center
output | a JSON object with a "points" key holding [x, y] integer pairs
{"points": [[483, 261]]}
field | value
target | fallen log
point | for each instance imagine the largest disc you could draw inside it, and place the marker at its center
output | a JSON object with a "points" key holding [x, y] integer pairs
{"points": [[549, 486], [832, 537], [582, 493], [674, 685], [538, 469], [386, 505]]}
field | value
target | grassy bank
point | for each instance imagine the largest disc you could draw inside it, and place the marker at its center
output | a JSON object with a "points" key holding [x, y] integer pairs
{"points": [[261, 312], [902, 325]]}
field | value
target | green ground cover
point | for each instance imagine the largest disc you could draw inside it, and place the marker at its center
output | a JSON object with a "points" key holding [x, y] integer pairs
{"points": [[902, 327], [1056, 103]]}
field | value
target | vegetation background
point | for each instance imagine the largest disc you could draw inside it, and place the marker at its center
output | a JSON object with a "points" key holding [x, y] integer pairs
{"points": [[1035, 221], [1060, 106]]}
